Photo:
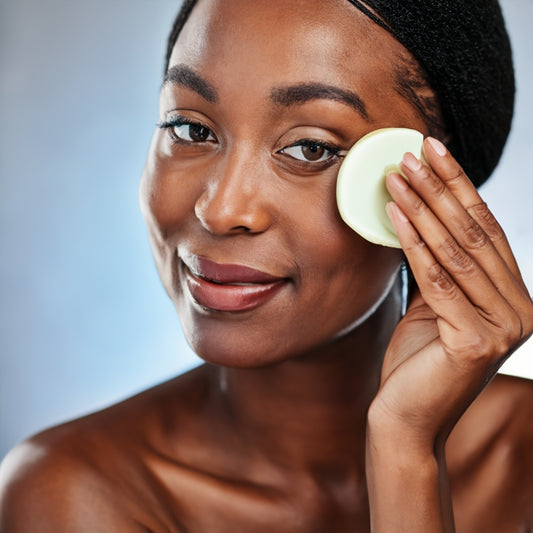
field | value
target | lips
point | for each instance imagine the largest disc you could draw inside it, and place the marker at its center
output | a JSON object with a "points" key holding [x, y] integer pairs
{"points": [[229, 287]]}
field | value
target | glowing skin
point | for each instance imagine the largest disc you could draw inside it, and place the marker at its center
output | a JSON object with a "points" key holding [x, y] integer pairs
{"points": [[326, 412], [245, 185]]}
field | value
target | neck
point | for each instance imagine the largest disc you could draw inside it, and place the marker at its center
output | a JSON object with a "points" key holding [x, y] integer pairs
{"points": [[309, 412]]}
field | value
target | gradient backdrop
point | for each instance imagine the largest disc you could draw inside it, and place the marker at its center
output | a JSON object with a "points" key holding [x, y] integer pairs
{"points": [[84, 321]]}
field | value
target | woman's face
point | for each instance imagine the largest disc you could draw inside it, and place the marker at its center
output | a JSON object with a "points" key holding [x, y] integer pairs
{"points": [[239, 186]]}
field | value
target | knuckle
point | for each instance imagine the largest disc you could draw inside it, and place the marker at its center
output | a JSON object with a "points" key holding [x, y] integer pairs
{"points": [[496, 343], [459, 260], [478, 350], [473, 347], [510, 334], [481, 347], [518, 329], [487, 220], [418, 205], [457, 177], [436, 185], [487, 346], [473, 235], [416, 245], [441, 280]]}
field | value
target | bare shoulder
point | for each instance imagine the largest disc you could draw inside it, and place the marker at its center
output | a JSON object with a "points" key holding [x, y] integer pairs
{"points": [[91, 474], [490, 457], [502, 412], [45, 487]]}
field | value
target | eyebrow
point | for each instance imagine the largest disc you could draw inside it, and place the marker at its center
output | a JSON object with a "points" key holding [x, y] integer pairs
{"points": [[291, 95], [304, 92], [187, 77]]}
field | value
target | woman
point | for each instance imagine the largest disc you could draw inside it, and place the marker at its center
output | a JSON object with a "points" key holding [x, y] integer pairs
{"points": [[320, 408]]}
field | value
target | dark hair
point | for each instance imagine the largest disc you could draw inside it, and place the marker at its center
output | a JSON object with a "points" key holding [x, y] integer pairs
{"points": [[464, 53], [179, 21]]}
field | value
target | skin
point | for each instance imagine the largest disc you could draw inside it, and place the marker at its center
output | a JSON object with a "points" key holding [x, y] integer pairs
{"points": [[301, 420]]}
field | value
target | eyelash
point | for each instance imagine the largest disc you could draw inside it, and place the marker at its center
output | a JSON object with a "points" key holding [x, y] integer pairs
{"points": [[335, 151], [184, 121]]}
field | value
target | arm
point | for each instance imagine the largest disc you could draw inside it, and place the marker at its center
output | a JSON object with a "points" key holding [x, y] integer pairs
{"points": [[407, 481], [406, 466], [472, 310]]}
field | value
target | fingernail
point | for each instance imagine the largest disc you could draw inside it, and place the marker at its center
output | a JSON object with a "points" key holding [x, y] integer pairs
{"points": [[437, 146], [411, 162]]}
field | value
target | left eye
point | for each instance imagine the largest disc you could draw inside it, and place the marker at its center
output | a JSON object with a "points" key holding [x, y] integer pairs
{"points": [[309, 151]]}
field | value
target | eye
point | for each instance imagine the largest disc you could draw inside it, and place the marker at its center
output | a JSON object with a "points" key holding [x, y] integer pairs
{"points": [[311, 151], [185, 130], [193, 133]]}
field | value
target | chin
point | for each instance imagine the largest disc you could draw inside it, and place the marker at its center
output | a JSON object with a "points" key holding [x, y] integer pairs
{"points": [[221, 353], [244, 346]]}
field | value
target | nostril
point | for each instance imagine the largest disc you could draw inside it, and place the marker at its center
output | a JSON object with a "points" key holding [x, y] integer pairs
{"points": [[240, 228]]}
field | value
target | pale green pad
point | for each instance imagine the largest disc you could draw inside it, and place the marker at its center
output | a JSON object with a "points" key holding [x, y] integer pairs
{"points": [[361, 191]]}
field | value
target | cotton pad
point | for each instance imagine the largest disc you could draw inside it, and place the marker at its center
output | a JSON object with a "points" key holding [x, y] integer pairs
{"points": [[361, 191]]}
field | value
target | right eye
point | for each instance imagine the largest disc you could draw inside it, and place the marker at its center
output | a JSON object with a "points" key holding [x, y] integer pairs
{"points": [[184, 130]]}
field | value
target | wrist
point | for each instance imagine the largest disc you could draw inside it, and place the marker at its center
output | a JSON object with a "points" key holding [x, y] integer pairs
{"points": [[407, 478], [410, 436]]}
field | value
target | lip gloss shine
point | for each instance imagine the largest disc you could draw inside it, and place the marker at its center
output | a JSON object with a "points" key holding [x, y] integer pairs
{"points": [[228, 287]]}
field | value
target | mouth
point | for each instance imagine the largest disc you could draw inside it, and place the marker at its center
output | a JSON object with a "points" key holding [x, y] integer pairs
{"points": [[229, 287]]}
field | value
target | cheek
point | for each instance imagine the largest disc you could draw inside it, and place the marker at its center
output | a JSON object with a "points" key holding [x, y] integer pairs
{"points": [[169, 188], [349, 275], [166, 206], [165, 195]]}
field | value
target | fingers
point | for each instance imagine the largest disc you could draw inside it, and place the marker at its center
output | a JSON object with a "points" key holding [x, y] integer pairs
{"points": [[458, 253], [453, 297], [449, 194], [467, 331], [455, 238], [464, 191], [441, 258]]}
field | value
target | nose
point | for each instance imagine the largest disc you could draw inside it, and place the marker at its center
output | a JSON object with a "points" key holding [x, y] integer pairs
{"points": [[235, 198]]}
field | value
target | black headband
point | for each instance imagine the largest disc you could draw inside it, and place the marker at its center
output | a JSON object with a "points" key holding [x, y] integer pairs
{"points": [[464, 48]]}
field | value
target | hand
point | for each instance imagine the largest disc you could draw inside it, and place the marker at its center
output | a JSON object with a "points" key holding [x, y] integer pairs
{"points": [[472, 309]]}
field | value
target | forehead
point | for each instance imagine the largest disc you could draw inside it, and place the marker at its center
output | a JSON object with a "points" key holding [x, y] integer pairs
{"points": [[286, 41]]}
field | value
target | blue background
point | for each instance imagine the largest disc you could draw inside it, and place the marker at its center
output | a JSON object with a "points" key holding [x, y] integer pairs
{"points": [[84, 320]]}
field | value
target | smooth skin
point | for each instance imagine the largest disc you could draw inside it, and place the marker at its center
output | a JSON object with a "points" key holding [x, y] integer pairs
{"points": [[320, 409]]}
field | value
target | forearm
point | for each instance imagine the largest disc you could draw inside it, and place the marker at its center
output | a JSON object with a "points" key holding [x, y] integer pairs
{"points": [[407, 484]]}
